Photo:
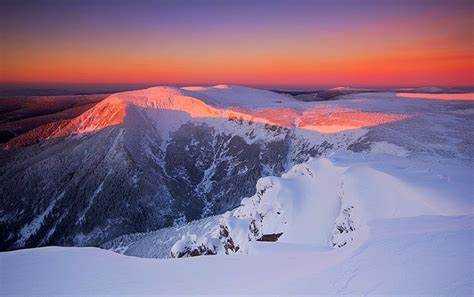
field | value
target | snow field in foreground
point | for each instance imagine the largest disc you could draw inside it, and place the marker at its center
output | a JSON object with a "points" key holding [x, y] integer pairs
{"points": [[423, 255]]}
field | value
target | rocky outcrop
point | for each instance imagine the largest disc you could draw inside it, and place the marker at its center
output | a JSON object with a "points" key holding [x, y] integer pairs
{"points": [[344, 228], [193, 245]]}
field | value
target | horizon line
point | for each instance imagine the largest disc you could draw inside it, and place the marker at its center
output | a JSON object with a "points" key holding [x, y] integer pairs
{"points": [[21, 84]]}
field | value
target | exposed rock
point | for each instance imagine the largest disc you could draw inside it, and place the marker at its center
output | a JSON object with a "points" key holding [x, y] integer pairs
{"points": [[192, 246], [344, 228], [270, 237], [229, 245]]}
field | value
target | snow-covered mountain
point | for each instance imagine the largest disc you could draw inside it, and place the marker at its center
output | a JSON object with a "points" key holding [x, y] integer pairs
{"points": [[143, 160], [320, 197]]}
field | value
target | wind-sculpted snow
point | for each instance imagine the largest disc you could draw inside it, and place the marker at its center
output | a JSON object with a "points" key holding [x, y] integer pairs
{"points": [[319, 204]]}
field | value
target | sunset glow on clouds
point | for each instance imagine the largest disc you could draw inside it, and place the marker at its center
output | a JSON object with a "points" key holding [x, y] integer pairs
{"points": [[269, 43]]}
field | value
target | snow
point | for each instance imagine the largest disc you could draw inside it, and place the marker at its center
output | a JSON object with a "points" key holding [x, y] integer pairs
{"points": [[90, 202], [383, 147], [191, 243], [460, 96], [158, 244], [395, 218], [307, 203], [229, 95], [348, 89], [411, 237], [395, 118], [428, 255], [423, 90], [30, 229]]}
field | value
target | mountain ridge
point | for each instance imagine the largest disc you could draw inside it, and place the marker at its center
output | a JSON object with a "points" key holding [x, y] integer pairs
{"points": [[144, 160]]}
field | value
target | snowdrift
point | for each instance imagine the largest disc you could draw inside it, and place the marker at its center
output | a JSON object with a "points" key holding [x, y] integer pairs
{"points": [[324, 203]]}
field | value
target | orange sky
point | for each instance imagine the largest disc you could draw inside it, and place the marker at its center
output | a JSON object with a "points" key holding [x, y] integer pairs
{"points": [[412, 46]]}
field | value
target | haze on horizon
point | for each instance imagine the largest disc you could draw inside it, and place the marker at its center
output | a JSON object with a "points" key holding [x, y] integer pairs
{"points": [[269, 43]]}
